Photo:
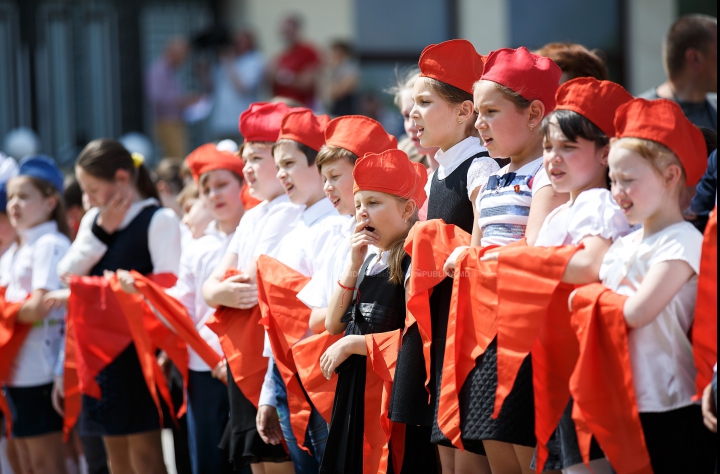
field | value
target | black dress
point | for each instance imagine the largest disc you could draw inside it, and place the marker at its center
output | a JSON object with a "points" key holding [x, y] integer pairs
{"points": [[381, 309]]}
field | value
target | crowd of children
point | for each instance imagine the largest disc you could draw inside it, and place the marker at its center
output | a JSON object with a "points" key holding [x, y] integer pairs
{"points": [[523, 296]]}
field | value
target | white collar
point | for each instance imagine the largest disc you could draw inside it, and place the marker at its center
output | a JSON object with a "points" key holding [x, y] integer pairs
{"points": [[135, 209], [524, 170], [317, 211], [450, 159], [32, 234]]}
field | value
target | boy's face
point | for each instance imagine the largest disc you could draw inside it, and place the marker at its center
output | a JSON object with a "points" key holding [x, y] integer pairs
{"points": [[301, 181], [338, 187]]}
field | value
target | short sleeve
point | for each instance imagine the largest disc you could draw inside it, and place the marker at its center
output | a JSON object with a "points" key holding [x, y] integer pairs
{"points": [[85, 251], [540, 180], [479, 172], [184, 288], [47, 253], [164, 241], [313, 294], [683, 242], [595, 213]]}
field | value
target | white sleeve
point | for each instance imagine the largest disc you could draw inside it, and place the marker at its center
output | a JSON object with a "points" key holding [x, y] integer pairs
{"points": [[85, 251], [267, 393], [47, 252], [313, 294], [164, 241], [184, 289], [683, 243], [540, 180], [279, 224], [594, 213], [479, 172]]}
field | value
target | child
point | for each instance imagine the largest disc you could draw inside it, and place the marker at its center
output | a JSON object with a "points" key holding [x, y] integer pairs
{"points": [[656, 154], [8, 169], [36, 211], [126, 228], [516, 91], [444, 117], [335, 161], [388, 189]]}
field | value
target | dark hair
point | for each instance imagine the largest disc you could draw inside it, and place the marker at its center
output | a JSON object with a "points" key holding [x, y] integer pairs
{"points": [[575, 60], [331, 153], [447, 92], [689, 31], [101, 158], [73, 195], [710, 137], [343, 46], [47, 189], [574, 126], [169, 171], [520, 102], [309, 153]]}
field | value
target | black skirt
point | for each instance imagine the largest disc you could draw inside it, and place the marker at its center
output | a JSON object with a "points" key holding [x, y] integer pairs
{"points": [[126, 406], [32, 411], [241, 438], [409, 401], [420, 456], [516, 422]]}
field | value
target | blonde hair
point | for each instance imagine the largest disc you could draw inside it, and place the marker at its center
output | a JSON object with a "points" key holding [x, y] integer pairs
{"points": [[659, 156], [403, 81], [331, 153], [397, 249]]}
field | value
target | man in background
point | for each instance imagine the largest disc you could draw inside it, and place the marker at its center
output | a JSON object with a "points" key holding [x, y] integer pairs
{"points": [[294, 72]]}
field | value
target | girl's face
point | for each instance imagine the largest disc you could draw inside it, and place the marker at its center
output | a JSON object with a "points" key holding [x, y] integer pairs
{"points": [[636, 186], [435, 119], [504, 129], [99, 191], [384, 214], [7, 231], [259, 171], [573, 166], [221, 191], [302, 181], [197, 218], [27, 207], [406, 105], [339, 185]]}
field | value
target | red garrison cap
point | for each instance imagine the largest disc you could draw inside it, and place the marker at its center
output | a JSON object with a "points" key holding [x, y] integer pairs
{"points": [[595, 100], [664, 122], [391, 172], [453, 62], [208, 158], [533, 77], [358, 134], [305, 127], [261, 121]]}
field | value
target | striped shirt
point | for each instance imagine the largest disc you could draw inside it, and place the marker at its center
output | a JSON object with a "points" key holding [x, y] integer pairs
{"points": [[504, 203]]}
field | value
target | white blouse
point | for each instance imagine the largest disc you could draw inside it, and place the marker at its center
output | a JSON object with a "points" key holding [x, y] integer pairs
{"points": [[660, 352], [25, 268], [594, 213], [163, 241]]}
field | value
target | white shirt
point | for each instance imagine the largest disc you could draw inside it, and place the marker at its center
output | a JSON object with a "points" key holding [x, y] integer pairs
{"points": [[25, 268], [661, 354], [197, 263], [594, 212], [163, 241], [448, 161]]}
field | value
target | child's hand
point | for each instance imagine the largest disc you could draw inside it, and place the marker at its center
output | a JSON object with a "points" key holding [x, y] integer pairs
{"points": [[333, 357], [220, 372], [112, 215], [449, 267], [267, 423], [238, 291], [58, 395], [570, 299], [56, 299], [126, 280], [709, 410], [364, 235]]}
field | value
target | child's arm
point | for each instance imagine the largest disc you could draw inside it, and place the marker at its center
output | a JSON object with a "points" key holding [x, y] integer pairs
{"points": [[662, 282], [544, 201], [476, 232], [34, 309], [584, 266], [317, 320], [340, 351]]}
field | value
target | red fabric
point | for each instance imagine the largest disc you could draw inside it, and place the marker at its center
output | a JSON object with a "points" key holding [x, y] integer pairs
{"points": [[286, 319], [453, 62], [595, 100], [533, 77], [704, 331], [382, 351], [601, 384], [527, 279], [391, 172], [261, 121], [342, 132], [12, 337], [303, 126], [664, 122], [208, 158], [297, 59], [306, 354], [429, 243], [242, 340], [72, 403], [247, 200]]}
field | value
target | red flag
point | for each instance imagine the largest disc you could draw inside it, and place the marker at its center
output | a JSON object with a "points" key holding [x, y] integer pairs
{"points": [[306, 354], [704, 331], [72, 403], [12, 337]]}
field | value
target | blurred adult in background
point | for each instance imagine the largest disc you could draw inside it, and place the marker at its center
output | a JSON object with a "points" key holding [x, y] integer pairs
{"points": [[294, 73], [575, 60], [690, 60], [236, 83], [169, 182], [167, 98], [342, 81]]}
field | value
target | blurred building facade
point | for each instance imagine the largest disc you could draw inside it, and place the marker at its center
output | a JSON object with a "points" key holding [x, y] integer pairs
{"points": [[72, 70]]}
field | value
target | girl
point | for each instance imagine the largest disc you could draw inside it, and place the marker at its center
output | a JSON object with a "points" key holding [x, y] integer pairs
{"points": [[259, 231], [656, 154], [444, 117], [126, 228], [36, 211], [516, 91], [388, 189]]}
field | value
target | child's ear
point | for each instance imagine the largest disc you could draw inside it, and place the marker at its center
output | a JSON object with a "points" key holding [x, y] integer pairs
{"points": [[51, 202], [536, 112], [122, 177], [408, 209], [673, 175], [604, 152]]}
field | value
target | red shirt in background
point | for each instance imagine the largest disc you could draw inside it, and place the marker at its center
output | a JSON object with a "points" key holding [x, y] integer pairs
{"points": [[299, 58]]}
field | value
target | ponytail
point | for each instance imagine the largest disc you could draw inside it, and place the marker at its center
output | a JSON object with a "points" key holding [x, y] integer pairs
{"points": [[145, 185], [397, 251]]}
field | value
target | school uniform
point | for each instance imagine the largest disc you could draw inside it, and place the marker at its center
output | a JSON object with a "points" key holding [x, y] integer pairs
{"points": [[148, 241], [661, 355], [462, 169], [27, 267]]}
